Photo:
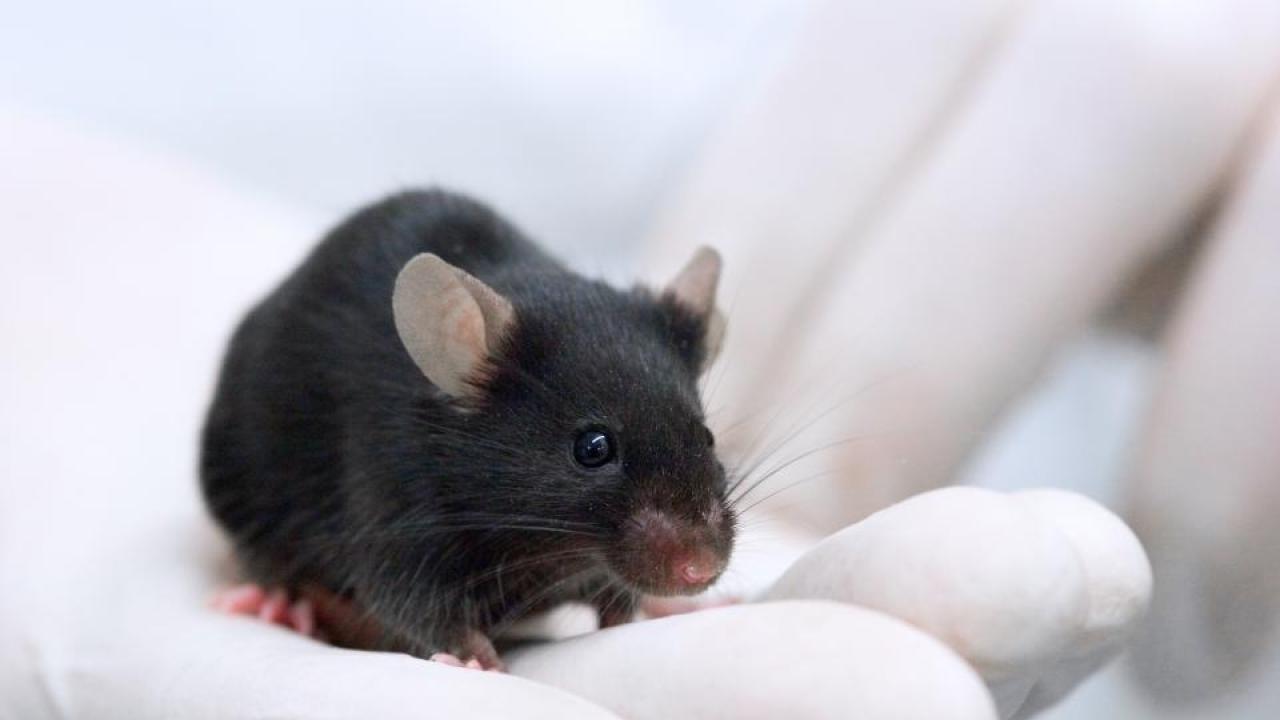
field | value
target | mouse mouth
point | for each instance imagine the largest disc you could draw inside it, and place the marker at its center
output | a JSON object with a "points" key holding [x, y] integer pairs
{"points": [[664, 554]]}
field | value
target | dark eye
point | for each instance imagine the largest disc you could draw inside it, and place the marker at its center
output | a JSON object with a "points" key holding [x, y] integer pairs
{"points": [[710, 436], [593, 448]]}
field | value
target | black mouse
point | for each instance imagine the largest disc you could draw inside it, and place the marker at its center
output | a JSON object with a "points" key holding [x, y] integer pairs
{"points": [[440, 425]]}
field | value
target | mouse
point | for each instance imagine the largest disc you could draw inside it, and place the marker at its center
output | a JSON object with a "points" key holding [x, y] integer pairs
{"points": [[434, 423]]}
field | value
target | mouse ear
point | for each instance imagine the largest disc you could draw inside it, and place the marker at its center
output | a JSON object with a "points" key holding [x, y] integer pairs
{"points": [[449, 322], [694, 289]]}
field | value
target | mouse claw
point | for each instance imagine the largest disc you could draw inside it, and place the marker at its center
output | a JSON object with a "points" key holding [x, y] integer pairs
{"points": [[447, 659], [478, 651], [481, 658], [482, 652]]}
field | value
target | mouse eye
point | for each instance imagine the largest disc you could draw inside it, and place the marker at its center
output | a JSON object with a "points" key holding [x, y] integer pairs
{"points": [[709, 436], [593, 447]]}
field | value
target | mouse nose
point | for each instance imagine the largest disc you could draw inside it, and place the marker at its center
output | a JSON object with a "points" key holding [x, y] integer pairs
{"points": [[697, 569], [668, 554]]}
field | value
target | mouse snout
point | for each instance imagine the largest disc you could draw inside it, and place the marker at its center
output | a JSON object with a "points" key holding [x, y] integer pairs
{"points": [[667, 554], [696, 569]]}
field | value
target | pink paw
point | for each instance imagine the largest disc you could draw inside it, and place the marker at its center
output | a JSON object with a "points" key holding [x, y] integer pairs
{"points": [[272, 606], [455, 661], [480, 651]]}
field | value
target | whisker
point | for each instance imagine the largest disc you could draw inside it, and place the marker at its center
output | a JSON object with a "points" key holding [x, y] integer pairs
{"points": [[788, 463], [801, 481]]}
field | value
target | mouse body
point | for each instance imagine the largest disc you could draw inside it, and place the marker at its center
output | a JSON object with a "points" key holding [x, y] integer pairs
{"points": [[437, 422]]}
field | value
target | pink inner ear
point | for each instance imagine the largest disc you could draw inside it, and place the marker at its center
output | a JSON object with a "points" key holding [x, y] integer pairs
{"points": [[695, 285], [448, 321], [498, 315], [465, 329], [454, 346]]}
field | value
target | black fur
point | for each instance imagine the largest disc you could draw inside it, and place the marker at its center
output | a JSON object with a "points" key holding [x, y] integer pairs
{"points": [[332, 461]]}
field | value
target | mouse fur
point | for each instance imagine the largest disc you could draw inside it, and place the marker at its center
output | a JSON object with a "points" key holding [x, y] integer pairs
{"points": [[334, 462]]}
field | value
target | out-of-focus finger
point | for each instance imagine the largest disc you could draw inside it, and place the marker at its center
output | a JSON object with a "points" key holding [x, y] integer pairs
{"points": [[1206, 489], [799, 166], [1100, 130]]}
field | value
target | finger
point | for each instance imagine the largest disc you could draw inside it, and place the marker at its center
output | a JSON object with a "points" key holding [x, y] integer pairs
{"points": [[1204, 497], [1057, 180], [970, 567], [789, 179], [1118, 584], [804, 660], [1035, 590]]}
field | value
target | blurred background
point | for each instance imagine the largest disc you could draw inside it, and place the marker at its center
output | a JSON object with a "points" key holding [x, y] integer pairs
{"points": [[596, 124], [573, 116]]}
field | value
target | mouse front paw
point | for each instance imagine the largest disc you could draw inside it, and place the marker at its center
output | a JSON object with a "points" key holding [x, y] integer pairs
{"points": [[476, 651]]}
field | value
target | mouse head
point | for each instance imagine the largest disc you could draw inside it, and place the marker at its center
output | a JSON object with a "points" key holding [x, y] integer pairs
{"points": [[589, 397]]}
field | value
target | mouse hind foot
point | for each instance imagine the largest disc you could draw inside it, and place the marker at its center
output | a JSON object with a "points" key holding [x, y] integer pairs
{"points": [[274, 606], [327, 617]]}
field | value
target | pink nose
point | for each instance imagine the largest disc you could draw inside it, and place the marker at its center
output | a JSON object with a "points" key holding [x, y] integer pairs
{"points": [[697, 570], [667, 554]]}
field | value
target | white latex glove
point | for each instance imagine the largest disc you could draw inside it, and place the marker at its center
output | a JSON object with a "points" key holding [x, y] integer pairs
{"points": [[114, 561], [123, 273], [1205, 496], [929, 199], [1035, 589]]}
